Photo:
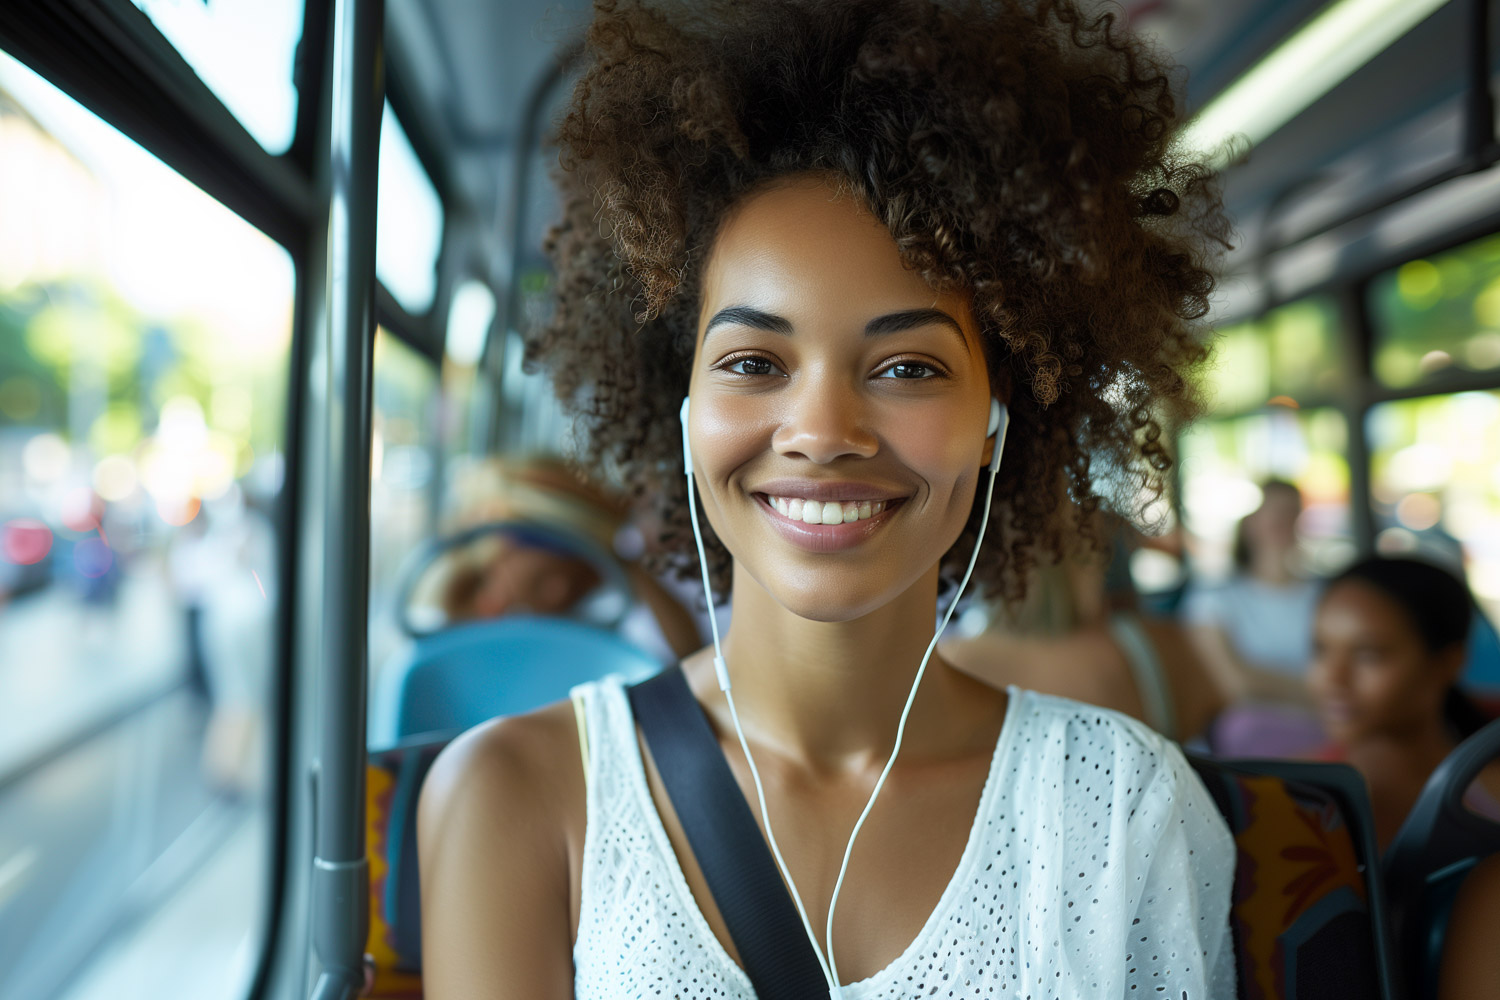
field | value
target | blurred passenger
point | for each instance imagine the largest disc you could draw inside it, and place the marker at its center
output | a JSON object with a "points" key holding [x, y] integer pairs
{"points": [[1080, 634], [1389, 644], [1253, 631], [525, 572]]}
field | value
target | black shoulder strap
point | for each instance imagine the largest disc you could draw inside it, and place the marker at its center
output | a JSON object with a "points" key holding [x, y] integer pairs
{"points": [[726, 841]]}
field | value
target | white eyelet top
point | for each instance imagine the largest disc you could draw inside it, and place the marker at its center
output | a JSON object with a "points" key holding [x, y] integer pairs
{"points": [[1096, 867]]}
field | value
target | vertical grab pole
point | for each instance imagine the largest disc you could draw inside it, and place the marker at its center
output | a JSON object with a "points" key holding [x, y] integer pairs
{"points": [[340, 886]]}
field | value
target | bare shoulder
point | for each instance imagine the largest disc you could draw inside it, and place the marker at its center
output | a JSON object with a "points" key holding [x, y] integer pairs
{"points": [[499, 828], [530, 760]]}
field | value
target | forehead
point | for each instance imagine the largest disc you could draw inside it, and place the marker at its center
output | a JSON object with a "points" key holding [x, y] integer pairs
{"points": [[805, 251], [1359, 606]]}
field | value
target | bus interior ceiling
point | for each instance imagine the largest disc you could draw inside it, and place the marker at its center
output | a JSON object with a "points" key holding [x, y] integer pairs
{"points": [[128, 811]]}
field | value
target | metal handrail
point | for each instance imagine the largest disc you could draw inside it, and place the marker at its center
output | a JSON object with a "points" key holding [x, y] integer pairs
{"points": [[340, 878]]}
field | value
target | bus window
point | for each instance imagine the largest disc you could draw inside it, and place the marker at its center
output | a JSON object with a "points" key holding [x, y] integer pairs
{"points": [[1268, 387], [1223, 460], [1440, 314], [244, 51], [409, 230], [401, 472], [471, 315], [1291, 352], [144, 353], [1435, 483]]}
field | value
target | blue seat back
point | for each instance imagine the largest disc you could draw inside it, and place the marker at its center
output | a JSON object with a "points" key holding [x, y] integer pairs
{"points": [[461, 676]]}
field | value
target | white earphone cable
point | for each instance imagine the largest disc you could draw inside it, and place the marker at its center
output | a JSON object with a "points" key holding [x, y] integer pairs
{"points": [[828, 964], [911, 698], [722, 670]]}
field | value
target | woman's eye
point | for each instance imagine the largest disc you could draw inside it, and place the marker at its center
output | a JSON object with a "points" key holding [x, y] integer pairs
{"points": [[751, 366], [909, 370]]}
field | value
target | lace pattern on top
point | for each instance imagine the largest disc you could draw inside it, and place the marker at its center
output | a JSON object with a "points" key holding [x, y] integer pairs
{"points": [[1097, 866]]}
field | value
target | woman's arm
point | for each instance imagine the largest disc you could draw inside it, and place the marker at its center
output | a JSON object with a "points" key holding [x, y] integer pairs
{"points": [[498, 815], [1471, 963], [1238, 680]]}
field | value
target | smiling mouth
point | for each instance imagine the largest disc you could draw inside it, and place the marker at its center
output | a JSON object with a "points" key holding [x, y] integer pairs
{"points": [[827, 512]]}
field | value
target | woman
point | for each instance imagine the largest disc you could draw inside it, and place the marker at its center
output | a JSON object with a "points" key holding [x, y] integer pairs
{"points": [[844, 229], [1254, 628], [1388, 646], [515, 570], [1252, 634]]}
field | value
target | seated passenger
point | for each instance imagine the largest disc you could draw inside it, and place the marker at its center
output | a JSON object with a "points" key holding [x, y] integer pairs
{"points": [[1081, 634], [1388, 647], [857, 234], [1252, 632], [519, 572]]}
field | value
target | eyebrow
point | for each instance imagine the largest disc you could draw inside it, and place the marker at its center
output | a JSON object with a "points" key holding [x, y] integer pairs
{"points": [[896, 322]]}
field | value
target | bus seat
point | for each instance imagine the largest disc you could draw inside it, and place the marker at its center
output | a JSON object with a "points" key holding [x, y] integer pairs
{"points": [[463, 675], [1307, 918], [393, 777], [1428, 859], [1307, 912]]}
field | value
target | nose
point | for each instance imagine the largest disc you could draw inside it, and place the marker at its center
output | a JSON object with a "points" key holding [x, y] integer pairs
{"points": [[824, 421], [1330, 673]]}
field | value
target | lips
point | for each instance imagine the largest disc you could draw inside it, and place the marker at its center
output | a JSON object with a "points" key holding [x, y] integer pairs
{"points": [[832, 531]]}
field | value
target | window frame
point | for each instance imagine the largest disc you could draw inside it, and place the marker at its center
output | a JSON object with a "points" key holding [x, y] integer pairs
{"points": [[1362, 391], [109, 57]]}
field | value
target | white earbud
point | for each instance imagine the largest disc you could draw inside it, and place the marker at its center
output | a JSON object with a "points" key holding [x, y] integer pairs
{"points": [[999, 423]]}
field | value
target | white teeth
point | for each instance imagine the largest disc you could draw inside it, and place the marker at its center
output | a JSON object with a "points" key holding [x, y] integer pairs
{"points": [[826, 512]]}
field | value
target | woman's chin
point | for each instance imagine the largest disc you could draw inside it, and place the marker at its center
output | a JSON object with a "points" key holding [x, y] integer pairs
{"points": [[829, 602]]}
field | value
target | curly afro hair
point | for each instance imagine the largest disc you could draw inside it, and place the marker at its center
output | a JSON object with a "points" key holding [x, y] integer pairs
{"points": [[1016, 149]]}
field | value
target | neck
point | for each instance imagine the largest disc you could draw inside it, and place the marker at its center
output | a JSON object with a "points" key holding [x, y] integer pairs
{"points": [[830, 694], [1271, 567]]}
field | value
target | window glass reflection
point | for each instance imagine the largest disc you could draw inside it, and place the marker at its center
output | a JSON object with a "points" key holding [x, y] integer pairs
{"points": [[244, 50], [144, 339], [409, 227], [1289, 355], [470, 319], [1437, 314], [1435, 483], [401, 477], [1225, 460]]}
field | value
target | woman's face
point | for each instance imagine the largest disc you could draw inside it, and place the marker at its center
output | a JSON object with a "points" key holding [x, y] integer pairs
{"points": [[1274, 524], [1371, 674], [839, 404]]}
